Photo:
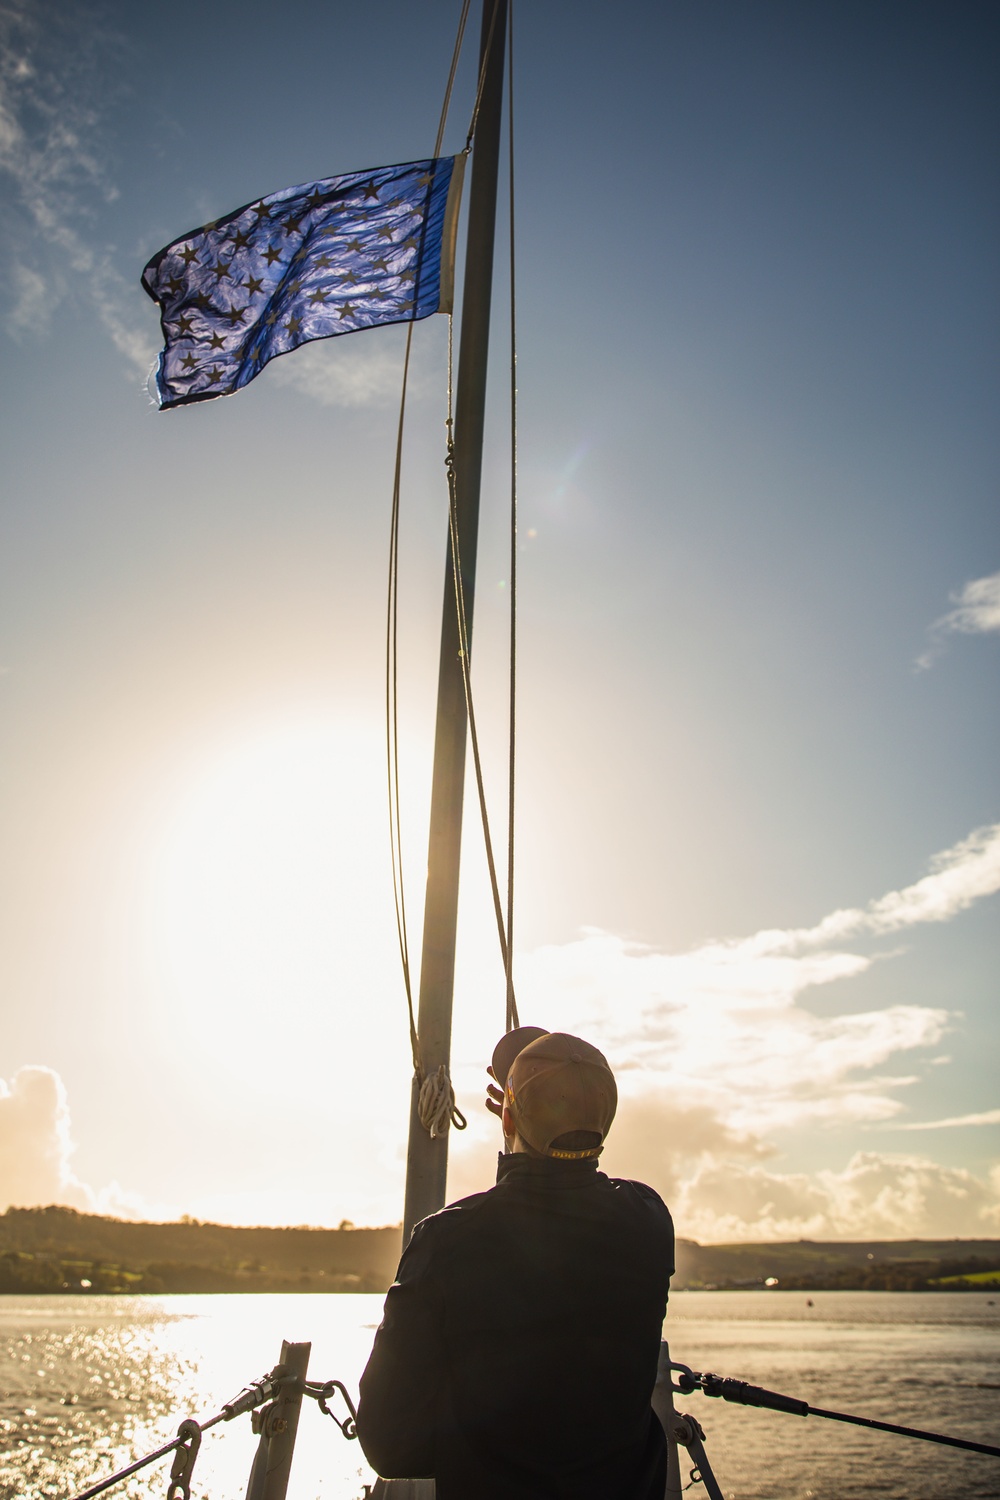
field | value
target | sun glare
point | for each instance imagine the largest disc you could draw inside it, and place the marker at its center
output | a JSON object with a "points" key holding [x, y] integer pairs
{"points": [[270, 913]]}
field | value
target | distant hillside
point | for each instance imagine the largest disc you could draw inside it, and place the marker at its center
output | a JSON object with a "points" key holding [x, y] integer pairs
{"points": [[60, 1250], [57, 1249], [874, 1265]]}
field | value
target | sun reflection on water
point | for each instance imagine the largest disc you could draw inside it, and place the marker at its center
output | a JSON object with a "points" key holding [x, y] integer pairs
{"points": [[88, 1383]]}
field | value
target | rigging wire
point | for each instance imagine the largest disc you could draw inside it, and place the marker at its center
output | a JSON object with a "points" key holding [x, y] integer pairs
{"points": [[463, 637], [456, 54], [432, 1114], [188, 1440], [392, 720], [463, 652], [482, 78], [511, 1003], [392, 614], [744, 1394], [436, 1107]]}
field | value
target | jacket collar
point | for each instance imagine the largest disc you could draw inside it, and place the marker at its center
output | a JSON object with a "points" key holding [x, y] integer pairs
{"points": [[521, 1167]]}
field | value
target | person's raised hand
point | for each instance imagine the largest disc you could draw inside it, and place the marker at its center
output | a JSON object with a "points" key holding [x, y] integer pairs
{"points": [[494, 1096]]}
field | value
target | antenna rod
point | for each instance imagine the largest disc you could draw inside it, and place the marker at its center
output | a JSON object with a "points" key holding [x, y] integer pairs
{"points": [[427, 1159]]}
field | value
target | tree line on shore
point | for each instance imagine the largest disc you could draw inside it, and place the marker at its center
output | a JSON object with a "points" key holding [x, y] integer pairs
{"points": [[859, 1265], [58, 1250]]}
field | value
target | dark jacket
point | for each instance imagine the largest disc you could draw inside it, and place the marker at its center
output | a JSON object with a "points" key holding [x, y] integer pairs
{"points": [[517, 1353]]}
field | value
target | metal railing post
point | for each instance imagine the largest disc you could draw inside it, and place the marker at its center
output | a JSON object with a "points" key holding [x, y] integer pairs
{"points": [[277, 1423], [682, 1431], [663, 1405]]}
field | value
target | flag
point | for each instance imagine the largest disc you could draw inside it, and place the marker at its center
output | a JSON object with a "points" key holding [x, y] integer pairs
{"points": [[306, 263]]}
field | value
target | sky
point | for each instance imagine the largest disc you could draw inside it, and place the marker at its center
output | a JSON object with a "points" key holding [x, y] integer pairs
{"points": [[758, 796]]}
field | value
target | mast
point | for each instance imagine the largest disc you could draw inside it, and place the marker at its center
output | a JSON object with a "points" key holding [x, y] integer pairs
{"points": [[427, 1159]]}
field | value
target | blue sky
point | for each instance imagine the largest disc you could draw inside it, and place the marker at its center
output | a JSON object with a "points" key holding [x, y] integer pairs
{"points": [[759, 588]]}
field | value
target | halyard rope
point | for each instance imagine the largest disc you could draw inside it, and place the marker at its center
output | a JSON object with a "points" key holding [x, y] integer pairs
{"points": [[503, 930], [511, 1003], [487, 48], [392, 617], [463, 651], [392, 721], [436, 1107]]}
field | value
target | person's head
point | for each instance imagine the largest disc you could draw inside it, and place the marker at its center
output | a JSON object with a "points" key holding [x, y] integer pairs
{"points": [[559, 1093]]}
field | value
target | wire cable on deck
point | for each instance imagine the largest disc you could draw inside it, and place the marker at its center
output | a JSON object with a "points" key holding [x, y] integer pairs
{"points": [[913, 1432], [225, 1415], [249, 1399], [743, 1394], [140, 1463]]}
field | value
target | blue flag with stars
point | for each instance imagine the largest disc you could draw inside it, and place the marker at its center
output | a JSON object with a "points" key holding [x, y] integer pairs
{"points": [[306, 263]]}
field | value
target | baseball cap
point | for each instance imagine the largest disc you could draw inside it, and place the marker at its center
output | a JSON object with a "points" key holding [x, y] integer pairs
{"points": [[557, 1086], [509, 1046]]}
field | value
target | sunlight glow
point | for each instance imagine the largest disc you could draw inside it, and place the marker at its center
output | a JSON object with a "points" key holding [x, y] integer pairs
{"points": [[270, 918]]}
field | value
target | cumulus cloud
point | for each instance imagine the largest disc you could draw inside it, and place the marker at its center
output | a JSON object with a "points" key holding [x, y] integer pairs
{"points": [[985, 1117], [348, 372], [976, 612], [959, 876], [50, 152], [727, 1016], [876, 1196], [117, 1202], [36, 1153], [35, 1143], [720, 1062], [719, 1058], [55, 62], [30, 308]]}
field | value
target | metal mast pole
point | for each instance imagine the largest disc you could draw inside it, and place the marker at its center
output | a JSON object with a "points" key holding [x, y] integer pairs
{"points": [[427, 1160]]}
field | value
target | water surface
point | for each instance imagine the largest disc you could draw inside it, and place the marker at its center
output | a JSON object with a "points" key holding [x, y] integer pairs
{"points": [[89, 1383]]}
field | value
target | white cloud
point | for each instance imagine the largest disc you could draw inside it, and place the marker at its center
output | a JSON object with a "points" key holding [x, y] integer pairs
{"points": [[727, 1016], [32, 300], [976, 612], [717, 1056], [50, 151], [985, 1117], [117, 1202], [723, 1025], [875, 1197], [959, 876], [36, 1151], [355, 372], [719, 1060], [35, 1143], [977, 607]]}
